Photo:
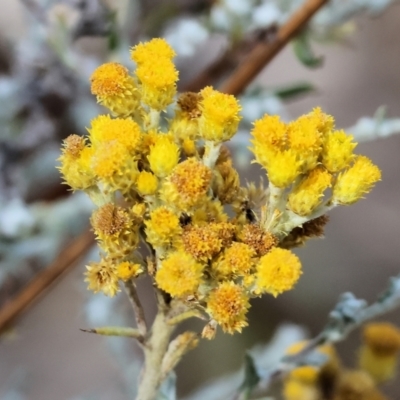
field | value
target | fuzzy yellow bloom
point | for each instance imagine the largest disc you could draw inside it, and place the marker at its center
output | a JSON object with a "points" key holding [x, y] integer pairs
{"points": [[75, 163], [305, 140], [307, 195], [295, 390], [163, 227], [151, 51], [164, 156], [102, 277], [113, 227], [228, 305], [123, 130], [127, 270], [337, 151], [278, 271], [180, 274], [115, 88], [109, 159], [282, 168], [188, 184], [202, 242], [379, 354], [146, 183], [157, 83], [259, 240], [269, 132], [219, 118], [354, 384], [237, 260], [356, 181], [324, 123]]}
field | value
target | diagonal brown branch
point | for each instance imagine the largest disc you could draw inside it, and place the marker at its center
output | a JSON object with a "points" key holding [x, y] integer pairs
{"points": [[263, 53], [64, 261]]}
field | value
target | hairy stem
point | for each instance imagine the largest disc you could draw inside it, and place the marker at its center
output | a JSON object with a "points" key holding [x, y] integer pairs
{"points": [[155, 349]]}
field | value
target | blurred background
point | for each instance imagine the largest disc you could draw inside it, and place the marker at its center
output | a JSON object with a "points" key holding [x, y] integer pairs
{"points": [[48, 50]]}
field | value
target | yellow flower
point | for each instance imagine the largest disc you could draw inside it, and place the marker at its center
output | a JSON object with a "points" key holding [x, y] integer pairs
{"points": [[379, 354], [127, 270], [157, 82], [102, 277], [152, 50], [269, 132], [236, 260], [164, 156], [163, 227], [188, 184], [307, 195], [113, 227], [179, 275], [124, 131], [278, 271], [75, 163], [324, 123], [337, 151], [202, 242], [146, 183], [219, 118], [115, 88], [306, 141], [295, 390], [259, 240], [356, 181], [282, 167], [228, 305]]}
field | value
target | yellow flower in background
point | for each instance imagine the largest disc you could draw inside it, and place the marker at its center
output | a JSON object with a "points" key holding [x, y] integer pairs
{"points": [[380, 351], [228, 305], [180, 274], [355, 182], [277, 271], [115, 88]]}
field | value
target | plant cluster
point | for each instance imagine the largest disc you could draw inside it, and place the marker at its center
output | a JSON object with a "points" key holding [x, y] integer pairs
{"points": [[170, 203]]}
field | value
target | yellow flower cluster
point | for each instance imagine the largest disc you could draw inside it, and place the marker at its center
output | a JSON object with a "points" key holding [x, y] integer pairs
{"points": [[330, 379], [169, 183]]}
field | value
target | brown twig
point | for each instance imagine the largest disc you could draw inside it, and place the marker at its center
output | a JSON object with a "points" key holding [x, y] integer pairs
{"points": [[64, 261], [137, 307], [263, 53]]}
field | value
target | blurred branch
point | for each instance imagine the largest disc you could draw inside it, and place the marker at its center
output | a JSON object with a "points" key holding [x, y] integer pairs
{"points": [[348, 314], [137, 307], [64, 261], [36, 10], [263, 53]]}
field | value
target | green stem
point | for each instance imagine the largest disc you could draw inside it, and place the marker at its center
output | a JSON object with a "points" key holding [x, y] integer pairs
{"points": [[115, 331]]}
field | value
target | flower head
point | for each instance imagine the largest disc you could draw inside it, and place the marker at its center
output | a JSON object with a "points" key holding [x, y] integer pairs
{"points": [[356, 181], [180, 274], [219, 118], [127, 270], [228, 305], [164, 156], [102, 277], [115, 88], [163, 227], [278, 271]]}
